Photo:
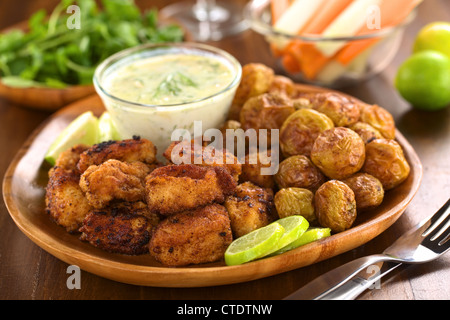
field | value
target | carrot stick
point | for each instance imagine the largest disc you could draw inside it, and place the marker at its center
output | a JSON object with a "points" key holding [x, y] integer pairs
{"points": [[310, 59], [278, 7], [320, 21], [392, 13]]}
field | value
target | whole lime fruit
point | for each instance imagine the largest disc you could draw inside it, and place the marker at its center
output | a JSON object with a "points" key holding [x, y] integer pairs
{"points": [[424, 80], [434, 36]]}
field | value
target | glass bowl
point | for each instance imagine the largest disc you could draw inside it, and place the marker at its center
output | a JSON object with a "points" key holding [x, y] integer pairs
{"points": [[158, 122], [348, 60]]}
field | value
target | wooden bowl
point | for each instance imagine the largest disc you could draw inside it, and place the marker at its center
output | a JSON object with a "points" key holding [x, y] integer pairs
{"points": [[50, 99], [24, 190]]}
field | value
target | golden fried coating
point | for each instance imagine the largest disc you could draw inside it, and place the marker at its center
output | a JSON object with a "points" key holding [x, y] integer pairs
{"points": [[131, 150], [252, 169], [369, 192], [337, 107], [114, 180], [64, 200], [338, 152], [378, 118], [116, 231], [300, 130], [335, 206], [256, 79], [299, 172], [386, 161], [295, 201], [190, 152], [68, 159], [177, 188], [250, 207], [192, 237]]}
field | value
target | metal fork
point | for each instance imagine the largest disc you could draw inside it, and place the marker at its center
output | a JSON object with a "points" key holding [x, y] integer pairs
{"points": [[425, 242]]}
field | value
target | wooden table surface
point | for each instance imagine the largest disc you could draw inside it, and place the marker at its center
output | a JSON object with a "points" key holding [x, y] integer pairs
{"points": [[28, 272]]}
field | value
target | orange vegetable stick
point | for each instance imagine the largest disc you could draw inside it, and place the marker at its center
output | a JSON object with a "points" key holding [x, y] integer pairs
{"points": [[310, 59], [392, 13], [278, 7], [290, 63], [317, 24]]}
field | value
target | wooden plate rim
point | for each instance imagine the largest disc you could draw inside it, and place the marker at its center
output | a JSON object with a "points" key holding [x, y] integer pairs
{"points": [[217, 275]]}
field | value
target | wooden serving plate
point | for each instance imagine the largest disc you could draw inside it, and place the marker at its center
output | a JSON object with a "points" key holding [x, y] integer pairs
{"points": [[24, 189]]}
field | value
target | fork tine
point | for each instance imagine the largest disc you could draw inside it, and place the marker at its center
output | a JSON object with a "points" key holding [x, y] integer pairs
{"points": [[437, 218], [438, 234]]}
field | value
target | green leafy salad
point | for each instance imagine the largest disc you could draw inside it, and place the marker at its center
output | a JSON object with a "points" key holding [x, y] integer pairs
{"points": [[50, 53]]}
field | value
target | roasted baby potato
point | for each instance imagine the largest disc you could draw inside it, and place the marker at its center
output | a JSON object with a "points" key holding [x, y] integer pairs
{"points": [[251, 207], [378, 118], [366, 131], [256, 79], [335, 206], [386, 162], [295, 201], [299, 172], [300, 130], [266, 111], [282, 85], [337, 107], [338, 152], [369, 192]]}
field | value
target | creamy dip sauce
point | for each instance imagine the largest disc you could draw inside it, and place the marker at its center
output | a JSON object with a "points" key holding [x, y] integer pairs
{"points": [[170, 79]]}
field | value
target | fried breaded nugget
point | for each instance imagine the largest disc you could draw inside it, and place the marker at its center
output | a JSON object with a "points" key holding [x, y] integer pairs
{"points": [[64, 200], [114, 180], [68, 159], [122, 232], [251, 207], [177, 188], [203, 156], [192, 237], [131, 150]]}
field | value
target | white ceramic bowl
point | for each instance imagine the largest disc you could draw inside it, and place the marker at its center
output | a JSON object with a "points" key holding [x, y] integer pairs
{"points": [[157, 122]]}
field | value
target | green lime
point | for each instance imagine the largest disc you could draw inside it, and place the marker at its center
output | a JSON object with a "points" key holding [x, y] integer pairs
{"points": [[107, 129], [434, 36], [294, 227], [84, 129], [254, 244], [424, 80], [308, 236]]}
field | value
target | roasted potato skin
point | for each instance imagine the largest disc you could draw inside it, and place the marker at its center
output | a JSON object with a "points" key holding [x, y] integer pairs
{"points": [[386, 161], [295, 201], [379, 118], [256, 79], [338, 152], [369, 192], [335, 206], [299, 172], [337, 107], [366, 131], [300, 130], [283, 86], [266, 111]]}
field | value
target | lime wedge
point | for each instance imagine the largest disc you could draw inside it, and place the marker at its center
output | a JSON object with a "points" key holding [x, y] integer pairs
{"points": [[294, 228], [310, 235], [84, 129], [254, 244], [107, 129]]}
